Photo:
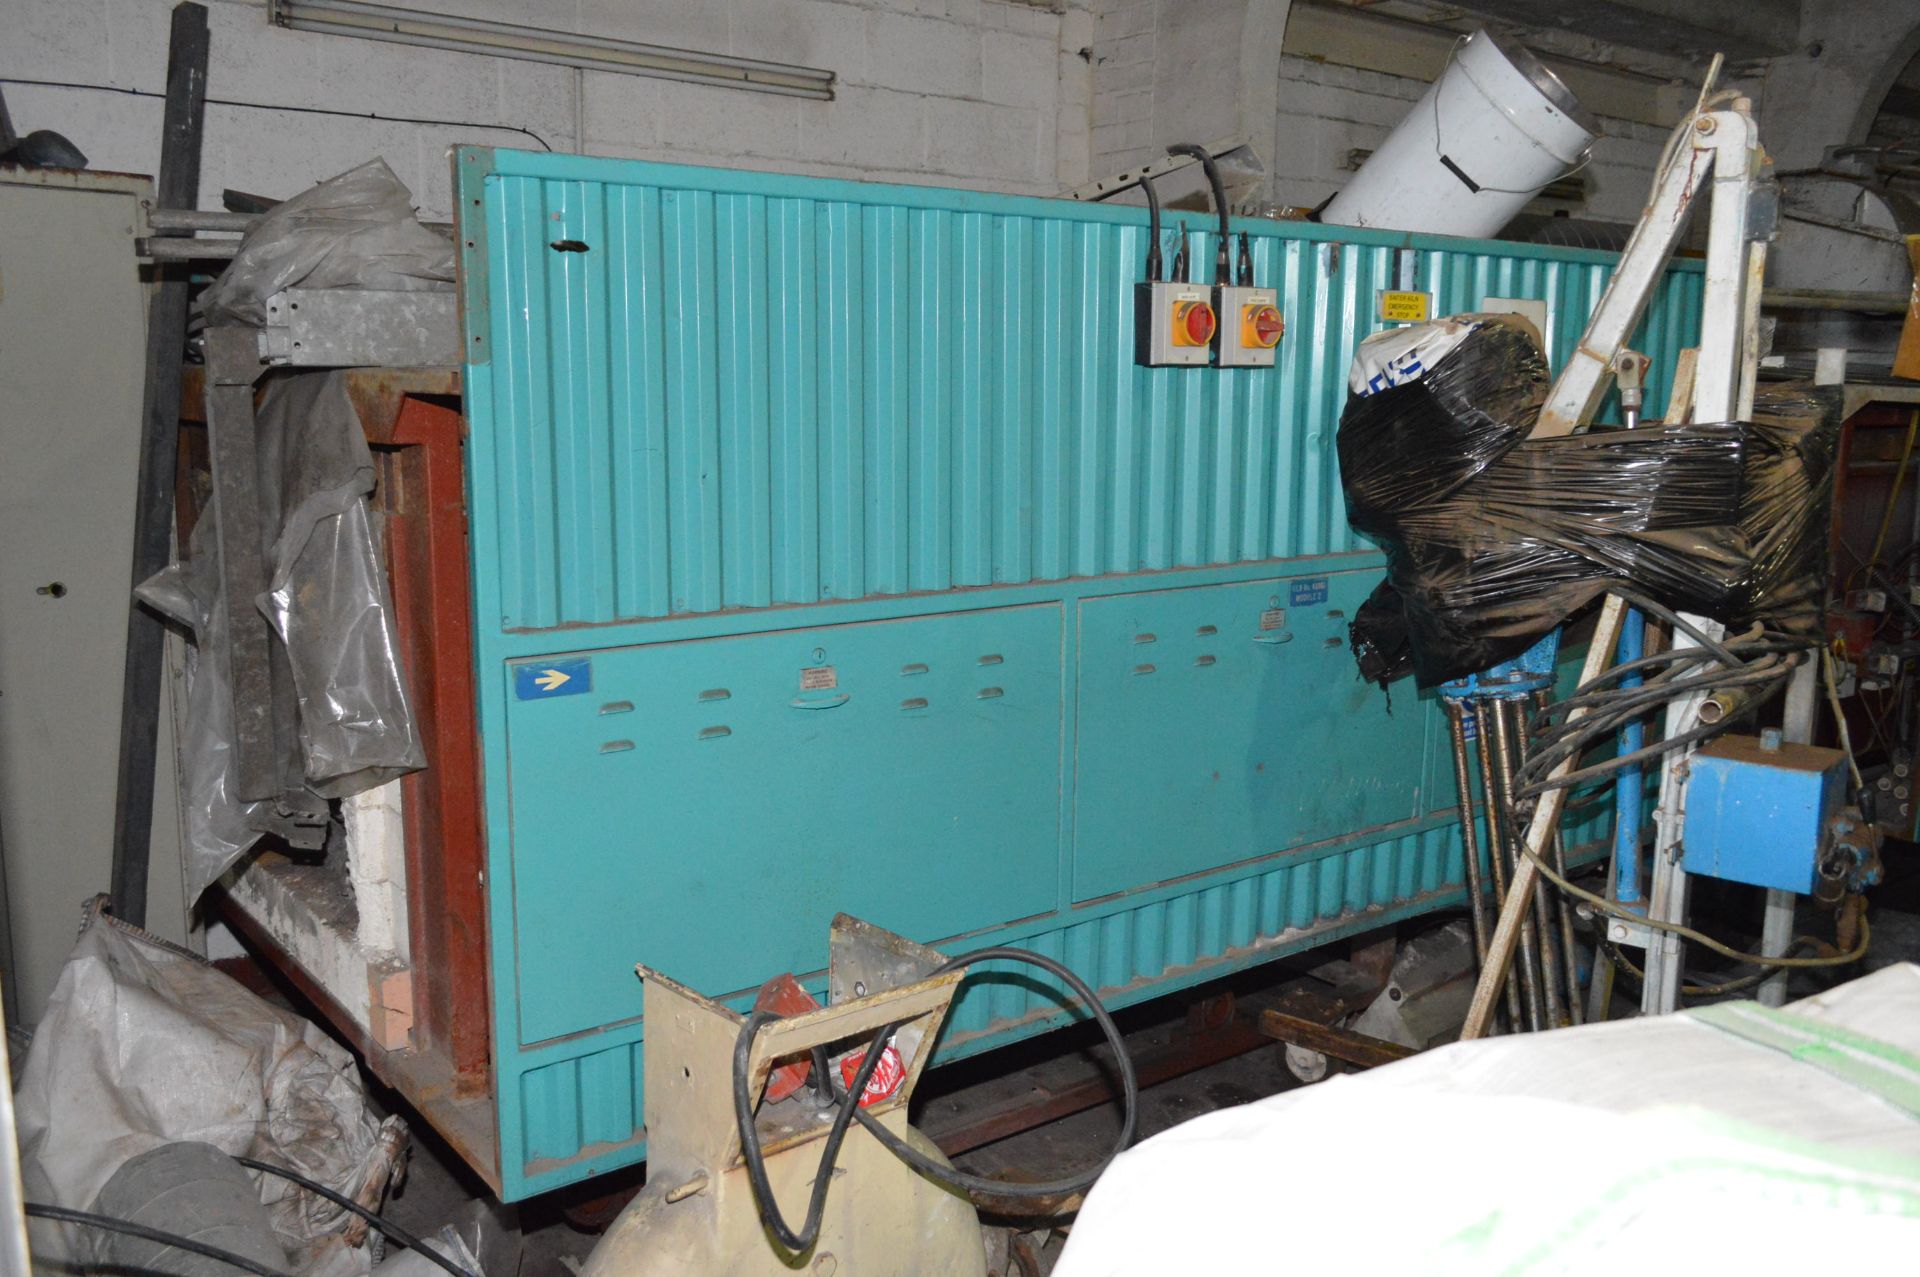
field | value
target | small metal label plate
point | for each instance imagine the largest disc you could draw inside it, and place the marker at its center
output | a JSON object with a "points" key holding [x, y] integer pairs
{"points": [[540, 680]]}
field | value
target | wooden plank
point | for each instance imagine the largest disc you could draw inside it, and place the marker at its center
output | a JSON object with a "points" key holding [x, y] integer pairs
{"points": [[1341, 1044]]}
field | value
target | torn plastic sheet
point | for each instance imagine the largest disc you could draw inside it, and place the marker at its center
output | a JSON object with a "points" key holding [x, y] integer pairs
{"points": [[1492, 539], [330, 608], [144, 1044], [328, 599], [356, 230]]}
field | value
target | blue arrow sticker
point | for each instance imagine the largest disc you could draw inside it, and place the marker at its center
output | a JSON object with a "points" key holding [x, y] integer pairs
{"points": [[1311, 590], [541, 679]]}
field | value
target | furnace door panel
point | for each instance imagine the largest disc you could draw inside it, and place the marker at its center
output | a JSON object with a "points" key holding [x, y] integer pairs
{"points": [[706, 807], [1218, 723]]}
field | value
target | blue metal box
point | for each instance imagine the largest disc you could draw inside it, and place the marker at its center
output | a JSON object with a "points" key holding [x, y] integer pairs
{"points": [[1760, 815]]}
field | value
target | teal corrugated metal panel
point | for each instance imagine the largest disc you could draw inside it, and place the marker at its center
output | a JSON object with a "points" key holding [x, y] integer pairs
{"points": [[1126, 948], [637, 401], [585, 535], [843, 464], [691, 335], [607, 1114], [973, 468], [883, 359], [793, 388], [744, 415], [732, 399], [526, 495], [551, 1104]]}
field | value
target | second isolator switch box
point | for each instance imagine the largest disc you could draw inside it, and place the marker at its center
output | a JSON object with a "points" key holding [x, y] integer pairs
{"points": [[1250, 326]]}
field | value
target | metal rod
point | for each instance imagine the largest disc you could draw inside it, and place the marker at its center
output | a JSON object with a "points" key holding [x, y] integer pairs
{"points": [[1569, 951], [1535, 971], [181, 117], [1546, 816], [1469, 841], [1600, 984], [194, 219], [1776, 927], [1496, 861], [1668, 890], [188, 250]]}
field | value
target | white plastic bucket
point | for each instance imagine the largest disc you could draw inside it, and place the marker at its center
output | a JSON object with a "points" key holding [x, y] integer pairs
{"points": [[1486, 136]]}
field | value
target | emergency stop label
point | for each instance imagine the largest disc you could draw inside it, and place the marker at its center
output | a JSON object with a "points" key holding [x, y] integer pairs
{"points": [[544, 679], [1405, 308], [1307, 591]]}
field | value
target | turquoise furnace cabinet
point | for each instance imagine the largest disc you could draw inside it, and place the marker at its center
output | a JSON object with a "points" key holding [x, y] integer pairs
{"points": [[830, 552]]}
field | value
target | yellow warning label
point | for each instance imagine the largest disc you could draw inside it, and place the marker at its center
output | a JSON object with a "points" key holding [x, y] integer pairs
{"points": [[1406, 308]]}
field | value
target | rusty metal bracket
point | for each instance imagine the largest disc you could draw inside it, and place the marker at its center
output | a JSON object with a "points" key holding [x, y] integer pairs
{"points": [[355, 327]]}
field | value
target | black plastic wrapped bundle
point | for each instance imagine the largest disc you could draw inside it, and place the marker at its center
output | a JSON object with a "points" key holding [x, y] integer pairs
{"points": [[1493, 539]]}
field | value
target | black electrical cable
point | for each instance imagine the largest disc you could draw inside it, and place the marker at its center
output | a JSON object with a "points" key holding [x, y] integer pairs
{"points": [[1129, 1090], [1222, 272], [1677, 621], [1569, 741], [1246, 261], [386, 1227], [1609, 707], [274, 106], [1755, 664], [1154, 261], [108, 1223], [798, 1242], [770, 1215]]}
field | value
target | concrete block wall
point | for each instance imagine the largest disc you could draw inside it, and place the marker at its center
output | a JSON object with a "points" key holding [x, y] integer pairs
{"points": [[1183, 70], [1123, 84], [976, 93]]}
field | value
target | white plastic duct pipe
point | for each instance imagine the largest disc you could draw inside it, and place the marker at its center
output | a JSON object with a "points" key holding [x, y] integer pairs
{"points": [[1487, 135]]}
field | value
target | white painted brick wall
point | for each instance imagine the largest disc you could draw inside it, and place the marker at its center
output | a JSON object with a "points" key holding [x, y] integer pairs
{"points": [[978, 93]]}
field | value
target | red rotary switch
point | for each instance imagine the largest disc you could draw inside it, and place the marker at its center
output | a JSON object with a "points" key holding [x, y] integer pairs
{"points": [[1193, 324], [1261, 327]]}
